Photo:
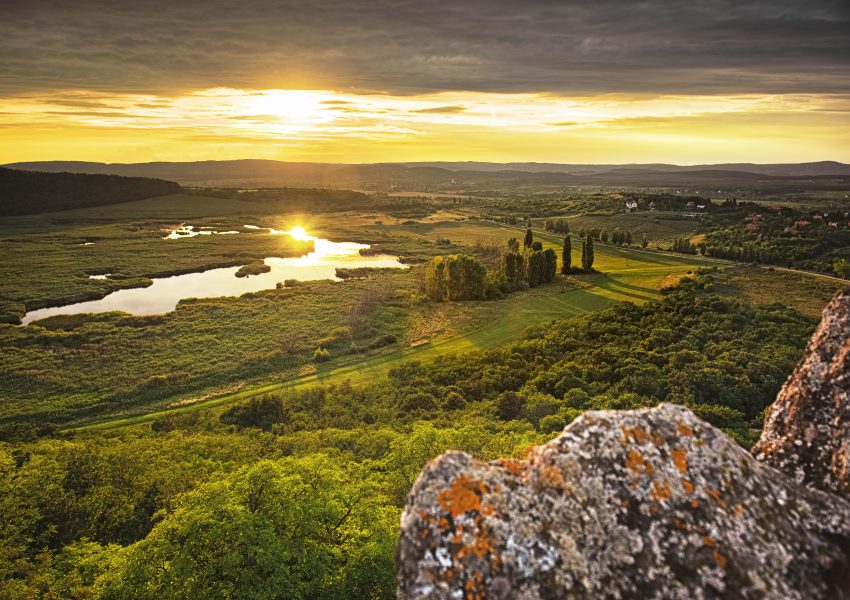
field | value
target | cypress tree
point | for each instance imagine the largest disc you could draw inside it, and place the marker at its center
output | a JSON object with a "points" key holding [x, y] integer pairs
{"points": [[567, 255], [529, 238], [587, 254]]}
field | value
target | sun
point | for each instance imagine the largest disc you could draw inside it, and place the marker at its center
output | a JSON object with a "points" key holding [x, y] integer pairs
{"points": [[291, 108], [299, 233]]}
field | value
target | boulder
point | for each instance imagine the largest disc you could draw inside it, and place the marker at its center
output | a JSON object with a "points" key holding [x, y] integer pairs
{"points": [[651, 503], [807, 431]]}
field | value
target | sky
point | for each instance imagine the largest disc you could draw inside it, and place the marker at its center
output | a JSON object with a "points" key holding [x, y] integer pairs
{"points": [[360, 81]]}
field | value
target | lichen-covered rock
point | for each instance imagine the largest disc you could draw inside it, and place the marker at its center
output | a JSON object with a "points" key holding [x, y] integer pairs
{"points": [[650, 503], [807, 432]]}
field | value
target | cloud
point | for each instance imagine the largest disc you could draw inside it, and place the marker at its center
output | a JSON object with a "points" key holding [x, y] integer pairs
{"points": [[441, 110], [407, 47]]}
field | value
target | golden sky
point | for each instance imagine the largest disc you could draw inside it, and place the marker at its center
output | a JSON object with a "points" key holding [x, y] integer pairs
{"points": [[611, 81], [324, 125]]}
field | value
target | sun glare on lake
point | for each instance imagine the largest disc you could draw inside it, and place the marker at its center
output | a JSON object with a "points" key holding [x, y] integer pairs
{"points": [[299, 233]]}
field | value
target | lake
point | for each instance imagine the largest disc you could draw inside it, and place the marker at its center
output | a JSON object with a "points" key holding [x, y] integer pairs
{"points": [[163, 296]]}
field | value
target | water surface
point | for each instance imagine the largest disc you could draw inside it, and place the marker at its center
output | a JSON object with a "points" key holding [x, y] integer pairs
{"points": [[166, 292]]}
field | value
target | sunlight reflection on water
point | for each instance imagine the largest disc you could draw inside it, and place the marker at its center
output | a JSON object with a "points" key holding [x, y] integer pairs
{"points": [[166, 292]]}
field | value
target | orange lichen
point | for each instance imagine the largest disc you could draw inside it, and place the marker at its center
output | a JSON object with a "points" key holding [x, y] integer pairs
{"points": [[680, 459], [694, 504], [517, 467], [660, 491], [715, 495], [636, 433], [739, 510], [719, 558], [463, 496], [552, 476], [684, 429], [637, 464], [689, 487]]}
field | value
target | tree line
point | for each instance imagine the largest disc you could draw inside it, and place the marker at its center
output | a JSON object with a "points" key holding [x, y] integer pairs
{"points": [[464, 277]]}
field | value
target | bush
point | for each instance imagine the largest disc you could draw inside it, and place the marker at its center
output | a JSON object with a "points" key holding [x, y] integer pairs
{"points": [[552, 424], [321, 355], [384, 340]]}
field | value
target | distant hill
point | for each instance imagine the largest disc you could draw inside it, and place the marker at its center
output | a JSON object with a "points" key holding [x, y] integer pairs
{"points": [[28, 192], [270, 173], [827, 167]]}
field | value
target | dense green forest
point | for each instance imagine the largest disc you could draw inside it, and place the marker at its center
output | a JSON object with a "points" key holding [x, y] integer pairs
{"points": [[297, 494], [29, 192]]}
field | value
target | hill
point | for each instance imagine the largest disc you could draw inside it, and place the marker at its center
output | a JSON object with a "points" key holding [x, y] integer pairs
{"points": [[28, 192], [271, 173]]}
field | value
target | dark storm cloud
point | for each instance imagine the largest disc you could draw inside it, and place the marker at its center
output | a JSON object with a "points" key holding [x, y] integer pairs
{"points": [[407, 47]]}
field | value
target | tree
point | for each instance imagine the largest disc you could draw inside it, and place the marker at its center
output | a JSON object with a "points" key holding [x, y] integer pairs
{"points": [[567, 255], [603, 236], [627, 238], [534, 269], [529, 238], [511, 269], [513, 245], [587, 253], [842, 267], [455, 277], [293, 528], [509, 405], [643, 241], [435, 279], [550, 264], [537, 246]]}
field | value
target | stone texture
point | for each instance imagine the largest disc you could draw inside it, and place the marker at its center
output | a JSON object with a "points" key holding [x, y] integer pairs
{"points": [[651, 503], [807, 432]]}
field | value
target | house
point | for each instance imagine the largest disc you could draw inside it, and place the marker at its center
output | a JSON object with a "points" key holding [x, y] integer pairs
{"points": [[631, 205], [652, 205]]}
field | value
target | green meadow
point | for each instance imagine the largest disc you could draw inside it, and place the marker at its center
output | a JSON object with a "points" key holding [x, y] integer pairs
{"points": [[111, 368]]}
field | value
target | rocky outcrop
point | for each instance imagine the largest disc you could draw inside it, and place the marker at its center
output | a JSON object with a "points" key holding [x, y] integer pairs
{"points": [[652, 503], [807, 432]]}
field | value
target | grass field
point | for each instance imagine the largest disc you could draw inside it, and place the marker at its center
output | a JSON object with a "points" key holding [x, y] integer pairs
{"points": [[659, 227], [115, 370], [629, 275]]}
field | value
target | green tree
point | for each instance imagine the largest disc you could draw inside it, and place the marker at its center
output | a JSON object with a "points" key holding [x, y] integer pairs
{"points": [[567, 255], [550, 264], [294, 528], [587, 253], [435, 279], [529, 238], [455, 277], [841, 266], [644, 242], [603, 236]]}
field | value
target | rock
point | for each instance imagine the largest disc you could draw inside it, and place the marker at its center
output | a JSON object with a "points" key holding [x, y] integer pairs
{"points": [[807, 432], [651, 503]]}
